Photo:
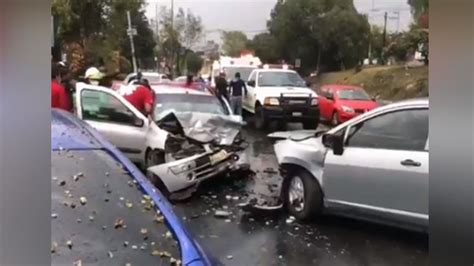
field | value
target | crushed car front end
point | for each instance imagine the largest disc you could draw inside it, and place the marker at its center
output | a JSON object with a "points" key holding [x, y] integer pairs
{"points": [[199, 147]]}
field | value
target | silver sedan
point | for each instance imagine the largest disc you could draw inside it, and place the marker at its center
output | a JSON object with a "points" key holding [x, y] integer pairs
{"points": [[373, 167]]}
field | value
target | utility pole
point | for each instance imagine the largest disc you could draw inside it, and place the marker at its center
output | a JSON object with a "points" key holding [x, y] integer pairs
{"points": [[384, 37], [156, 19], [174, 48], [130, 33]]}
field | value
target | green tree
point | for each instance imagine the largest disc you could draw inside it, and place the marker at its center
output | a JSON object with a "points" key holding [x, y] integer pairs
{"points": [[95, 29], [194, 62], [330, 33], [418, 7], [265, 47], [234, 42]]}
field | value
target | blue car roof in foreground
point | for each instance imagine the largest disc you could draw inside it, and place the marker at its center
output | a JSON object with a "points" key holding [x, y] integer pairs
{"points": [[70, 133]]}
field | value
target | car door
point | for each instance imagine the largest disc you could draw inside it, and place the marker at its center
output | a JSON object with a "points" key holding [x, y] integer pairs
{"points": [[249, 100], [325, 104], [383, 171], [115, 118]]}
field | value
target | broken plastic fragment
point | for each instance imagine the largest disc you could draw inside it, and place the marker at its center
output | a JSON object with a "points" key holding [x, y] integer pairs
{"points": [[134, 247], [119, 223], [54, 247], [91, 218], [110, 254], [158, 218], [125, 244], [83, 200], [129, 205], [229, 257], [168, 235], [78, 263], [77, 176], [54, 215], [69, 244], [221, 214]]}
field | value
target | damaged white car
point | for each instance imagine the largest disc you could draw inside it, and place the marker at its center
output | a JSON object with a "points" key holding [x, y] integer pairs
{"points": [[373, 167], [193, 135]]}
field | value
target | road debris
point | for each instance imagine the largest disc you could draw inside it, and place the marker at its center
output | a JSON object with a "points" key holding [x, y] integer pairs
{"points": [[69, 244], [158, 218], [83, 200], [77, 176], [129, 205], [54, 247], [168, 235], [54, 215], [221, 214], [119, 223], [125, 243], [62, 183], [91, 218], [229, 257], [144, 232], [290, 219], [78, 263], [110, 254]]}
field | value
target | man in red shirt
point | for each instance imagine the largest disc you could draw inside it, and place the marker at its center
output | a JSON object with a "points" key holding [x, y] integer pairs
{"points": [[59, 96], [141, 97]]}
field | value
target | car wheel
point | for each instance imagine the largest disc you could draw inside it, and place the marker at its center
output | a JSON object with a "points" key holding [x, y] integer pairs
{"points": [[334, 119], [303, 197], [260, 121], [311, 124]]}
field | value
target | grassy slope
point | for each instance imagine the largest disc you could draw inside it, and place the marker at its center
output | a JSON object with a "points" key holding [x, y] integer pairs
{"points": [[387, 82]]}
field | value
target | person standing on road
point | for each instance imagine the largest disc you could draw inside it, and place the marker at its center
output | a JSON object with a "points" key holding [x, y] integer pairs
{"points": [[221, 86], [236, 87], [59, 96]]}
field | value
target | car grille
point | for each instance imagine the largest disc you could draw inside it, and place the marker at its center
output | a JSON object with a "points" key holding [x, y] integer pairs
{"points": [[294, 101]]}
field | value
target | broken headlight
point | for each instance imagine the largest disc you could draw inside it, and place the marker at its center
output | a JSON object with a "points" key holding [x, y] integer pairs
{"points": [[182, 168]]}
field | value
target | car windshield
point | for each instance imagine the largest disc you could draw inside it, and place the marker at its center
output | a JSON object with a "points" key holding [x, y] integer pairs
{"points": [[280, 78], [167, 103], [99, 207], [244, 72], [353, 94]]}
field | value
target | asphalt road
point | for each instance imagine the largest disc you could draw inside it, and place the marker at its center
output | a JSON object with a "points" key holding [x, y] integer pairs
{"points": [[267, 239]]}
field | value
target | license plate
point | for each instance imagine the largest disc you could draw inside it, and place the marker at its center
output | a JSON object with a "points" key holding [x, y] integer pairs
{"points": [[220, 156], [297, 114]]}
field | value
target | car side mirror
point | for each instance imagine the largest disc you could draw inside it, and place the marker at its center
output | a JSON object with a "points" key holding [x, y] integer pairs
{"points": [[335, 142], [330, 97], [251, 83], [138, 122]]}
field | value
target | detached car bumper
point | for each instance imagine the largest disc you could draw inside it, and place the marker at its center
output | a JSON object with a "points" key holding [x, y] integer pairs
{"points": [[292, 113], [181, 174]]}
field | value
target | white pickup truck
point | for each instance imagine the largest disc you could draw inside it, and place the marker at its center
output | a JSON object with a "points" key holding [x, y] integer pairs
{"points": [[280, 94]]}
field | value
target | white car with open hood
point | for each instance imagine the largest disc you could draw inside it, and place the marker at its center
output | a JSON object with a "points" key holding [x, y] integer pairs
{"points": [[193, 136]]}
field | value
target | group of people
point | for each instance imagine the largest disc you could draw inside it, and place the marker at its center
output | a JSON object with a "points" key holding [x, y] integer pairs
{"points": [[63, 87], [232, 91]]}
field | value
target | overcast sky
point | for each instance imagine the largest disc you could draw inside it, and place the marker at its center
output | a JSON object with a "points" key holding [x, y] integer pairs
{"points": [[250, 16]]}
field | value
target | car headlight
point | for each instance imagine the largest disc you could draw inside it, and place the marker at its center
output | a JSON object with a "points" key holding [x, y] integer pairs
{"points": [[271, 101], [347, 109], [182, 168], [314, 101]]}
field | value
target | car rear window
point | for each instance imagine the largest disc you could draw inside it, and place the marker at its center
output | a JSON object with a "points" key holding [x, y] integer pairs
{"points": [[100, 217]]}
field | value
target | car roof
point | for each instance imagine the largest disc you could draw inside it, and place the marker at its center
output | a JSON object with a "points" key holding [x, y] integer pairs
{"points": [[176, 89], [276, 70]]}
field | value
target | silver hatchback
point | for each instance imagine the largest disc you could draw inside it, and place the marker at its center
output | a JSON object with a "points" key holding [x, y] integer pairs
{"points": [[373, 167]]}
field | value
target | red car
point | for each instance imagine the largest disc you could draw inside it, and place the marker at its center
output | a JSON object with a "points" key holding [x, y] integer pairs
{"points": [[339, 103]]}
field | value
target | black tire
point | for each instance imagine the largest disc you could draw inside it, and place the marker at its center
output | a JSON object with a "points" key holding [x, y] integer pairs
{"points": [[313, 196], [260, 121], [311, 124], [334, 119]]}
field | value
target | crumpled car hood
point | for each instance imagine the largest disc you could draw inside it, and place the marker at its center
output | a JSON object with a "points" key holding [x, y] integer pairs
{"points": [[206, 127], [296, 135]]}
